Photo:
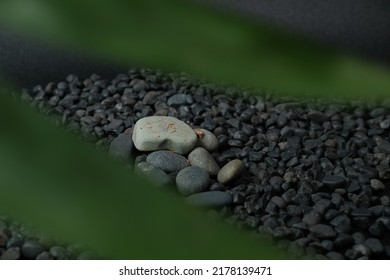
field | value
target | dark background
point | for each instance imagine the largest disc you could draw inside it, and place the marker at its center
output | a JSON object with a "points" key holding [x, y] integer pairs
{"points": [[359, 26]]}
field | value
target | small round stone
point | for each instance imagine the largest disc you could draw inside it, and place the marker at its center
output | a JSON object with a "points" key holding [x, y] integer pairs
{"points": [[45, 256], [192, 179], [332, 181], [230, 171], [374, 245], [317, 116], [323, 231], [206, 139], [377, 184], [202, 158], [211, 199], [167, 161], [12, 253], [58, 252], [31, 249], [163, 133], [121, 147]]}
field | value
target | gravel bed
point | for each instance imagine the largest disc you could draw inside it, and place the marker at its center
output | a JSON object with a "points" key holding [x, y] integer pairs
{"points": [[316, 176]]}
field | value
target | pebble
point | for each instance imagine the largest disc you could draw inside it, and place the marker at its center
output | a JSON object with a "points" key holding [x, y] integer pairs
{"points": [[335, 256], [179, 99], [317, 116], [323, 231], [121, 147], [332, 181], [202, 158], [206, 139], [156, 175], [343, 240], [377, 184], [312, 218], [167, 161], [31, 249], [191, 180], [12, 253], [45, 256], [374, 245], [163, 133], [230, 171], [210, 199]]}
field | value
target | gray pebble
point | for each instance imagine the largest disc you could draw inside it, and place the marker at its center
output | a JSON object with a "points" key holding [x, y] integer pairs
{"points": [[192, 179], [45, 256], [211, 199], [317, 116], [332, 181], [377, 184], [335, 256], [322, 231], [31, 249], [167, 161], [374, 245], [206, 139], [230, 171], [121, 147], [58, 252], [179, 99], [312, 218], [152, 173], [12, 253], [202, 158], [362, 249]]}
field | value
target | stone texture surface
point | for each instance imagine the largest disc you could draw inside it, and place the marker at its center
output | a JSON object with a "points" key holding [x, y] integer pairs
{"points": [[163, 133]]}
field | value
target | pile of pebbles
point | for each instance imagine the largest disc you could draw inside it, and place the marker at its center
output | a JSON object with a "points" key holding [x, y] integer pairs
{"points": [[21, 242], [168, 139], [315, 177]]}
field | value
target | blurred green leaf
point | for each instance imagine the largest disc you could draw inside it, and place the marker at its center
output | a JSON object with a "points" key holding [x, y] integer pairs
{"points": [[177, 35]]}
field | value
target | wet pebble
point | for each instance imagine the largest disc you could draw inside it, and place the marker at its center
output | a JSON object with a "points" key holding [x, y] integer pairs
{"points": [[167, 161], [121, 147], [322, 231], [230, 171], [202, 158], [191, 180], [206, 139]]}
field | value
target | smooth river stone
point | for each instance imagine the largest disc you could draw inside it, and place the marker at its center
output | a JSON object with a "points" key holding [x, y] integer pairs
{"points": [[206, 139], [163, 133], [167, 161], [202, 158], [121, 147], [192, 179], [211, 199], [230, 171]]}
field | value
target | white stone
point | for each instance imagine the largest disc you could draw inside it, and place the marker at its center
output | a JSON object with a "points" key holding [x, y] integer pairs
{"points": [[163, 133]]}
